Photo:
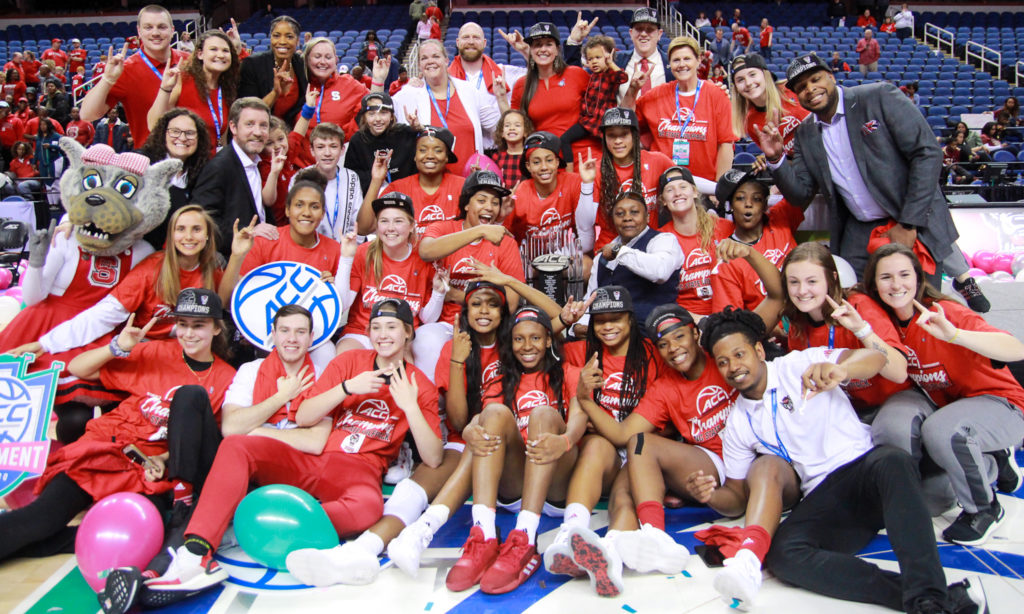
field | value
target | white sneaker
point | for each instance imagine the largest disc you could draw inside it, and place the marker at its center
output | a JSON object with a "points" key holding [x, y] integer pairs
{"points": [[402, 467], [344, 564], [598, 558], [651, 549], [406, 549], [189, 573], [558, 556], [737, 584]]}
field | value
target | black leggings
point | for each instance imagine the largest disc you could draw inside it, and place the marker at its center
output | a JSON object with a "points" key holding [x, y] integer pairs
{"points": [[570, 136], [40, 528]]}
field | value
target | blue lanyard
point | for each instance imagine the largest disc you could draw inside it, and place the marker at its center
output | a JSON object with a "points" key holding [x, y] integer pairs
{"points": [[831, 337], [320, 101], [779, 450], [447, 102], [479, 78], [220, 110], [693, 111], [156, 72]]}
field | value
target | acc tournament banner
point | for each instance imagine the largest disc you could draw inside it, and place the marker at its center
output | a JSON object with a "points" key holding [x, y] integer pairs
{"points": [[26, 402], [267, 288]]}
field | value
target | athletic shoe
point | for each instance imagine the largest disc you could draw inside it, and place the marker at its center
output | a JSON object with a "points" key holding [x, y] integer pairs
{"points": [[1008, 476], [972, 294], [598, 557], [517, 561], [738, 582], [558, 556], [344, 564], [975, 529], [120, 590], [406, 549], [187, 575], [478, 554], [968, 596], [402, 467], [651, 549]]}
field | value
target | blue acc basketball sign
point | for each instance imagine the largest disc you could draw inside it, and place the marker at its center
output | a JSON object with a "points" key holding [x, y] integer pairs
{"points": [[25, 405], [268, 288]]}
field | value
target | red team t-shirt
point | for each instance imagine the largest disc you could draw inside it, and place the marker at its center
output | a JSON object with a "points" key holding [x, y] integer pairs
{"points": [[557, 211], [611, 369], [710, 127], [136, 89], [324, 256], [556, 105], [460, 263], [864, 394], [371, 425], [695, 277], [410, 280], [490, 373], [443, 204], [214, 111], [456, 119], [946, 372], [697, 408], [534, 390], [735, 283], [792, 115], [652, 165]]}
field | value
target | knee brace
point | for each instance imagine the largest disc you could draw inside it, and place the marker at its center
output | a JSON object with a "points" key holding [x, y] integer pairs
{"points": [[407, 502]]}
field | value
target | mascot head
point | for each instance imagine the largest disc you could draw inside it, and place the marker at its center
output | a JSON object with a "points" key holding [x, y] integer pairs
{"points": [[113, 199]]}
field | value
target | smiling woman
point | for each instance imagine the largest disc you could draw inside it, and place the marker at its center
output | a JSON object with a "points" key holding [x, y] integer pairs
{"points": [[277, 75]]}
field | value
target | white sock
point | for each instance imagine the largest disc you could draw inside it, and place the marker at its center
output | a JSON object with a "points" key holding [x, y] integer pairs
{"points": [[435, 517], [611, 534], [370, 542], [483, 517], [528, 521], [576, 515]]}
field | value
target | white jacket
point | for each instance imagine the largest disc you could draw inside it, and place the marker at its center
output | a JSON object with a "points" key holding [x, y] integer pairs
{"points": [[481, 107]]}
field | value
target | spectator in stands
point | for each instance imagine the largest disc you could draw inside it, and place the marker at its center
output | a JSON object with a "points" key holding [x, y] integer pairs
{"points": [[767, 32], [910, 91], [47, 154], [360, 75], [991, 139], [142, 73], [468, 113], [955, 152], [76, 56], [112, 131], [718, 21], [206, 84], [702, 20], [972, 142], [478, 69], [899, 188], [721, 48], [737, 19], [741, 41], [185, 44], [81, 131], [23, 110], [416, 9], [371, 49], [887, 26], [12, 130], [57, 102], [423, 29], [31, 66], [277, 76], [13, 85], [836, 64], [55, 53], [1012, 109], [22, 170], [14, 62], [99, 67], [869, 51], [399, 83], [700, 138], [77, 81], [60, 74], [866, 20], [32, 125], [904, 22]]}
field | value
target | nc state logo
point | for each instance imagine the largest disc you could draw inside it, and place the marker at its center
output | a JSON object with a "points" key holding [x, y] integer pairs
{"points": [[394, 284], [697, 257], [710, 398]]}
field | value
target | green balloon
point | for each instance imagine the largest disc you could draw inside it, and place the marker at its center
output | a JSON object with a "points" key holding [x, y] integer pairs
{"points": [[275, 520]]}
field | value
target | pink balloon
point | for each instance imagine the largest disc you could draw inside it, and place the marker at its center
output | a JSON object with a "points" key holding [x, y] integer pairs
{"points": [[985, 260], [976, 272], [5, 278], [1003, 262], [479, 162], [122, 530], [15, 293]]}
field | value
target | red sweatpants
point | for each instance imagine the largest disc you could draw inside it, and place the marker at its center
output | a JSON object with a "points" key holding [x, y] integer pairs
{"points": [[347, 485]]}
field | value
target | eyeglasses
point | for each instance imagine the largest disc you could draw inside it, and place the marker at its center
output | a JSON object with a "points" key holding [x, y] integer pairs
{"points": [[188, 135]]}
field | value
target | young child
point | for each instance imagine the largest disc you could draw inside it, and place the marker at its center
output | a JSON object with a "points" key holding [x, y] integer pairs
{"points": [[605, 79], [343, 195], [278, 164], [77, 80], [58, 73], [513, 126]]}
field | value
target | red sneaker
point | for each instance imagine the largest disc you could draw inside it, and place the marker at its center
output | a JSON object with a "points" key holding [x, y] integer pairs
{"points": [[478, 554], [516, 562]]}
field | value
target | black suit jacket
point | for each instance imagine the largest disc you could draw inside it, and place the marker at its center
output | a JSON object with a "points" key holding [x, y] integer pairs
{"points": [[257, 79], [574, 53], [223, 191]]}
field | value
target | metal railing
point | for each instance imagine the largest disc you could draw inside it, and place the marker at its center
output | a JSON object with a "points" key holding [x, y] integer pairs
{"points": [[978, 52], [1018, 73], [412, 59], [940, 38]]}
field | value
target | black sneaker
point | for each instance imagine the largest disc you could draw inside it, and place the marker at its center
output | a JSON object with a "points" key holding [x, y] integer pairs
{"points": [[121, 590], [968, 596], [1008, 477], [927, 605], [974, 529], [972, 294]]}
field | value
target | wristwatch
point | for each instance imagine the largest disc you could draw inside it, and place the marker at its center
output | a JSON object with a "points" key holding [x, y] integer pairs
{"points": [[615, 250]]}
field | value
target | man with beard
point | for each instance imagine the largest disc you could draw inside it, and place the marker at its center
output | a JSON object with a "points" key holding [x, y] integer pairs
{"points": [[476, 67]]}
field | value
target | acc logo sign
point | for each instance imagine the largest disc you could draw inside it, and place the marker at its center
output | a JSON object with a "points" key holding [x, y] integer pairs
{"points": [[491, 372], [394, 284], [532, 400], [710, 398], [25, 405], [432, 213], [268, 288], [697, 257], [375, 409]]}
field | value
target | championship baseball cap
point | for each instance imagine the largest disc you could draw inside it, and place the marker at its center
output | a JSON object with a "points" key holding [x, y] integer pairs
{"points": [[611, 299], [393, 200], [392, 308], [664, 319], [198, 303], [442, 134], [644, 15], [542, 29], [375, 100], [804, 65], [734, 178], [541, 140], [533, 314], [748, 60], [674, 173], [618, 116], [484, 180], [477, 286]]}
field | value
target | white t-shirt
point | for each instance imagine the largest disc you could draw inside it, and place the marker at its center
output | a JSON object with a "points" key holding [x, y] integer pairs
{"points": [[819, 435]]}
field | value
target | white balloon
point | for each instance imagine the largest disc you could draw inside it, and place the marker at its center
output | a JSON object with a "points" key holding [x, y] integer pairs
{"points": [[9, 307], [847, 276]]}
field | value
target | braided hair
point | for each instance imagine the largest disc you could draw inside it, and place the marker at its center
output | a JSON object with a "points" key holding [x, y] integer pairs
{"points": [[639, 355]]}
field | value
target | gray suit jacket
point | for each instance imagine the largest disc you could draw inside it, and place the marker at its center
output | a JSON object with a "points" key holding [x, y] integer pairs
{"points": [[898, 158]]}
